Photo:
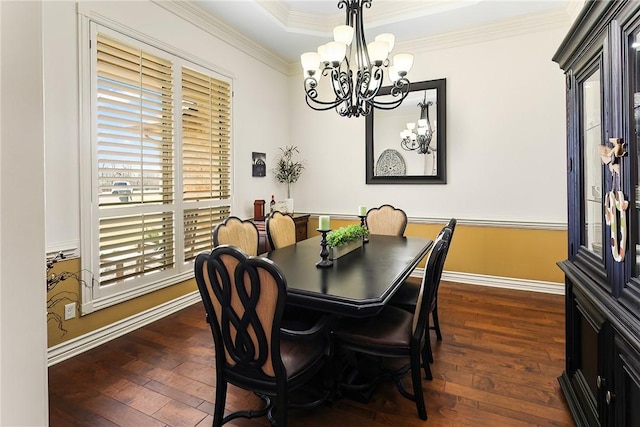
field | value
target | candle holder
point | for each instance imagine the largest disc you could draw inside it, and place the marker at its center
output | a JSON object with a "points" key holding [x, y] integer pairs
{"points": [[324, 253], [362, 217]]}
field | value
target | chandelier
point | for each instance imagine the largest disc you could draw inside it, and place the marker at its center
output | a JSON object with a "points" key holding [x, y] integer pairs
{"points": [[419, 139], [356, 69]]}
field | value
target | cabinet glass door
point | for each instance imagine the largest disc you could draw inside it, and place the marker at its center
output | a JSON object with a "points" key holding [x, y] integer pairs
{"points": [[634, 81], [592, 165]]}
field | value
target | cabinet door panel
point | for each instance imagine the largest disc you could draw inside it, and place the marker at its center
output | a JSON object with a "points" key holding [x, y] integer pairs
{"points": [[592, 135], [626, 393], [589, 340]]}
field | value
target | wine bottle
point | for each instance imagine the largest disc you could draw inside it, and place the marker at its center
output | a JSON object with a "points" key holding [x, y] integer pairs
{"points": [[272, 204]]}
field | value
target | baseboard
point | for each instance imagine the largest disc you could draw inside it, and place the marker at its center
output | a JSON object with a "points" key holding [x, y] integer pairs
{"points": [[499, 282], [75, 346], [78, 345]]}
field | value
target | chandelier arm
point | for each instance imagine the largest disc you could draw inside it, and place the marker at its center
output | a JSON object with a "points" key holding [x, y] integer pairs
{"points": [[370, 92], [342, 81], [321, 105], [401, 89]]}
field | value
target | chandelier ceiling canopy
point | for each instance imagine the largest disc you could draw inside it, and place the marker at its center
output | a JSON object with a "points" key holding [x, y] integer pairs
{"points": [[355, 68]]}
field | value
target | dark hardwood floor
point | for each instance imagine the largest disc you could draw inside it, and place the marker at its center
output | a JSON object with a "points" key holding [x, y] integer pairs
{"points": [[496, 366]]}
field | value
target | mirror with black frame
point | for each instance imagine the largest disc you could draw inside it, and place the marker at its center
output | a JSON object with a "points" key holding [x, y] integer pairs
{"points": [[407, 145]]}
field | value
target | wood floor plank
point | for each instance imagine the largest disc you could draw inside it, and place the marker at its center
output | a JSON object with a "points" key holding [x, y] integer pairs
{"points": [[497, 365]]}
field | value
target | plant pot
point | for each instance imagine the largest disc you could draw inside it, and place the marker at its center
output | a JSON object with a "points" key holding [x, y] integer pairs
{"points": [[289, 204], [337, 252]]}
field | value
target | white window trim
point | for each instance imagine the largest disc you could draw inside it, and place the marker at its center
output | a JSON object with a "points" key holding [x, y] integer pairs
{"points": [[94, 298]]}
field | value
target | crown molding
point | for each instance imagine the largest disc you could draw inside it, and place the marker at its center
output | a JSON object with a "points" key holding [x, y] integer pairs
{"points": [[383, 12], [302, 22], [313, 24], [532, 23], [573, 8], [201, 18]]}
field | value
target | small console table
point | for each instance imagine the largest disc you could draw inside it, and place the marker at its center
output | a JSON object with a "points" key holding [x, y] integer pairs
{"points": [[301, 221]]}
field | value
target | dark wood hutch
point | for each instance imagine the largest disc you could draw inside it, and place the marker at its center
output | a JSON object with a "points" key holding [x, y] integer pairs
{"points": [[602, 273]]}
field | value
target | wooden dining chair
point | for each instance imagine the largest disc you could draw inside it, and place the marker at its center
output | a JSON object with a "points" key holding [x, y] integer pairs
{"points": [[281, 230], [244, 298], [396, 332], [406, 297], [386, 220], [237, 232]]}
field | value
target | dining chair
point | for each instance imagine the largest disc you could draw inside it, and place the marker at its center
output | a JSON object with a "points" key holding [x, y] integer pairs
{"points": [[406, 296], [396, 332], [237, 232], [281, 230], [386, 220], [244, 298]]}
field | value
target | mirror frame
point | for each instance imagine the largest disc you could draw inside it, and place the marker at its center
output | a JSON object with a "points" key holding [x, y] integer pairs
{"points": [[441, 138]]}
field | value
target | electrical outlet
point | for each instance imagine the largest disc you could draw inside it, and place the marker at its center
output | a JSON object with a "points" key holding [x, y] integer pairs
{"points": [[69, 311]]}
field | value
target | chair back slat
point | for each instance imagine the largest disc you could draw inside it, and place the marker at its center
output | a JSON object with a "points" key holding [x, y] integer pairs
{"points": [[386, 220], [237, 232], [244, 299], [281, 230]]}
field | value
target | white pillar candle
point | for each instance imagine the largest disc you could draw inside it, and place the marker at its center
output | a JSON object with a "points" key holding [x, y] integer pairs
{"points": [[362, 210], [324, 222]]}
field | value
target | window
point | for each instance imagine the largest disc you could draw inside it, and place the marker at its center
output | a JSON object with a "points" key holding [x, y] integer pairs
{"points": [[161, 166]]}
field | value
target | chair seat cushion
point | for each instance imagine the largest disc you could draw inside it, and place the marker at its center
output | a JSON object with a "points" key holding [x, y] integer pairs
{"points": [[298, 355], [406, 297], [389, 329]]}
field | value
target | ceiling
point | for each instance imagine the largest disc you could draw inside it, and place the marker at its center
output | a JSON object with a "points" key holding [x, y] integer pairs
{"points": [[289, 28]]}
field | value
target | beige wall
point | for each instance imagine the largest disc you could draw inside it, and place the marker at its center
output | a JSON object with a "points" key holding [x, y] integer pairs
{"points": [[494, 251], [67, 291], [517, 253]]}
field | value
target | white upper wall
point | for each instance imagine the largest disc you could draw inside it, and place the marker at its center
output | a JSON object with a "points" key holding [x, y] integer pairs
{"points": [[23, 318], [506, 149], [505, 142]]}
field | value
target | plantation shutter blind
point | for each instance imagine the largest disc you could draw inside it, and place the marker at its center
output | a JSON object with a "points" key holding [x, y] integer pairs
{"points": [[135, 150], [206, 156], [206, 144]]}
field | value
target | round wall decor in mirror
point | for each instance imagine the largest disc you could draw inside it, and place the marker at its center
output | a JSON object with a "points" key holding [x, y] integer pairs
{"points": [[390, 163]]}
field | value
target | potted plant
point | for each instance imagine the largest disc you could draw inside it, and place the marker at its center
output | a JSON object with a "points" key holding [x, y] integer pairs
{"points": [[288, 171], [346, 239]]}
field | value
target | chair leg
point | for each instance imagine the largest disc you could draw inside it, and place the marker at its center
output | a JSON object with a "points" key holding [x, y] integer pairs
{"points": [[436, 322], [281, 409], [417, 384], [427, 343], [426, 349], [221, 397]]}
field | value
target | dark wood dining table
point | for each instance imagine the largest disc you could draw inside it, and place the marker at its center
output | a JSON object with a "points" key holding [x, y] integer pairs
{"points": [[359, 283]]}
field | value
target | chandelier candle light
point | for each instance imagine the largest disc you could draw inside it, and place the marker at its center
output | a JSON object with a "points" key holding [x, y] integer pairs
{"points": [[419, 139], [356, 69]]}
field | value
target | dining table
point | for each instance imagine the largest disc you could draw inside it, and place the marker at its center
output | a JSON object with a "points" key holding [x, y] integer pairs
{"points": [[358, 284]]}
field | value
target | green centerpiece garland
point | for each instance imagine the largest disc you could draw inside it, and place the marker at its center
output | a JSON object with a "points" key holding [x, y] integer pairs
{"points": [[346, 235]]}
